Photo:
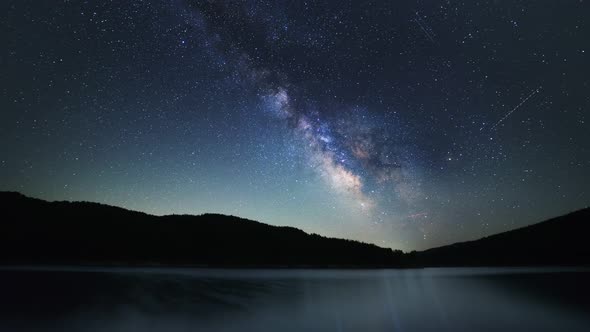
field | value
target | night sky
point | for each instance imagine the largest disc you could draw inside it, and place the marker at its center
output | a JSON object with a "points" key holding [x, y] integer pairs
{"points": [[408, 124]]}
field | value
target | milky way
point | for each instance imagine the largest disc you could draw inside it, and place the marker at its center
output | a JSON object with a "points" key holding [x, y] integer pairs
{"points": [[344, 162], [406, 124]]}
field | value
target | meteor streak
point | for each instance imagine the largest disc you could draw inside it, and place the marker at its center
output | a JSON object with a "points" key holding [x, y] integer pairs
{"points": [[515, 108]]}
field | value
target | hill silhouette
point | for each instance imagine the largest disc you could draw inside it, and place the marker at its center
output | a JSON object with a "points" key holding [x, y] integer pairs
{"points": [[558, 241], [38, 231], [34, 231]]}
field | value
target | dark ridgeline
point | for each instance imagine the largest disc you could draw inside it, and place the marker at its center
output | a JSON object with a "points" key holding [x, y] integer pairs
{"points": [[89, 233], [562, 241], [33, 231]]}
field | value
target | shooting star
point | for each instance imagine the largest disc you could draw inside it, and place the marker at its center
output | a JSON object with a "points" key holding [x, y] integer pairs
{"points": [[534, 92], [422, 26]]}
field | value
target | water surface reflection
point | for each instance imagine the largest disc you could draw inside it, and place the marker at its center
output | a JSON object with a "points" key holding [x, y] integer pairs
{"points": [[484, 299]]}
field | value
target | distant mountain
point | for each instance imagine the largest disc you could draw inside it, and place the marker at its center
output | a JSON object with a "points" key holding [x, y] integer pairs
{"points": [[563, 240], [34, 231]]}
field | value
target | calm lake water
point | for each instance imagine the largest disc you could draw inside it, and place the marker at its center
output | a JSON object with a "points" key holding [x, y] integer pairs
{"points": [[482, 299]]}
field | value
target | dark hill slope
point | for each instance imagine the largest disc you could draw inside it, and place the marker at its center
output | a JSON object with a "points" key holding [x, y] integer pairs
{"points": [[37, 231], [34, 231], [563, 240]]}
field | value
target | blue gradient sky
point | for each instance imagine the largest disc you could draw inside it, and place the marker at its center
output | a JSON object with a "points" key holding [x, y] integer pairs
{"points": [[406, 124]]}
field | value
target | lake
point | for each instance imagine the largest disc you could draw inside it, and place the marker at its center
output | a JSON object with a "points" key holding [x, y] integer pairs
{"points": [[153, 299]]}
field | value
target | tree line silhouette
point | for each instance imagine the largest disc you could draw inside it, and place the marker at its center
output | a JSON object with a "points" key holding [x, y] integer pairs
{"points": [[33, 231]]}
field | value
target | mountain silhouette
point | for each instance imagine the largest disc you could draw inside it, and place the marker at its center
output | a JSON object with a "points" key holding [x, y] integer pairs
{"points": [[39, 232], [34, 231], [558, 241]]}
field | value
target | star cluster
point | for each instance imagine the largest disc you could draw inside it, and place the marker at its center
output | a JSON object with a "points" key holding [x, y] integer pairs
{"points": [[407, 124]]}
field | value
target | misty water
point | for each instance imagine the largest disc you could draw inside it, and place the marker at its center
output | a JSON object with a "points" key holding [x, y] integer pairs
{"points": [[459, 299]]}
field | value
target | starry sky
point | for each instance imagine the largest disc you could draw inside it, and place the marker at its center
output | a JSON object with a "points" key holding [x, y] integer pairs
{"points": [[408, 124]]}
